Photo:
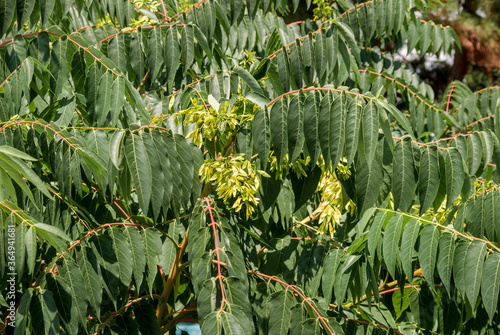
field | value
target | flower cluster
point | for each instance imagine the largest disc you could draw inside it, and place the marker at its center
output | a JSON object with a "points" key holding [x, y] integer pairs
{"points": [[221, 121], [236, 179]]}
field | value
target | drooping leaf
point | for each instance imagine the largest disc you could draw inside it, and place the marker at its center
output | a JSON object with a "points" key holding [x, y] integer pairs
{"points": [[283, 68], [392, 236], [403, 175], [352, 128], [410, 235], [454, 174], [117, 52], [337, 128], [7, 10], [104, 97], [374, 236], [474, 153], [312, 110], [331, 263], [279, 129], [490, 283], [459, 259], [474, 261], [295, 126], [72, 275], [138, 163], [262, 135], [280, 304], [187, 46], [172, 55], [428, 181], [21, 319], [91, 272], [43, 313], [249, 80], [134, 239], [123, 252], [370, 127], [427, 251], [59, 66], [368, 177], [152, 244], [31, 249], [155, 52], [445, 259]]}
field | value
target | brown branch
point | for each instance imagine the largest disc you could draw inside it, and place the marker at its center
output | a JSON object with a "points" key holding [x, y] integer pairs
{"points": [[417, 273], [219, 272], [449, 97], [115, 314], [174, 271], [304, 298], [319, 89]]}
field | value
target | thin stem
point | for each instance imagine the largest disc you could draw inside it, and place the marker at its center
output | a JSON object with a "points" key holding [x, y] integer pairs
{"points": [[417, 273], [16, 213], [123, 211], [143, 81], [115, 314], [46, 126], [484, 118], [174, 271], [318, 89], [449, 96], [12, 73], [356, 7], [92, 232], [167, 18], [470, 238], [304, 298], [219, 272], [374, 324], [403, 86]]}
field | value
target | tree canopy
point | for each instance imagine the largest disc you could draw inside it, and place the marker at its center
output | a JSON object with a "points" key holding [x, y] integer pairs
{"points": [[173, 160]]}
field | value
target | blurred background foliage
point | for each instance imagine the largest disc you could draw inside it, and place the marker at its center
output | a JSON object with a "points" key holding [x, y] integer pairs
{"points": [[477, 23]]}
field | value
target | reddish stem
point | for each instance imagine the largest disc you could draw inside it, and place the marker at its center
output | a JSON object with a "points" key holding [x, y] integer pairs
{"points": [[484, 118], [304, 298], [219, 272], [13, 211], [151, 127], [12, 73], [46, 126], [449, 97], [402, 85], [318, 89], [374, 324], [164, 280], [93, 231], [123, 211], [119, 311]]}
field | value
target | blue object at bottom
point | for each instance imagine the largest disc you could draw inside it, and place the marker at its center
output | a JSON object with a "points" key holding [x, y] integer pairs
{"points": [[189, 327]]}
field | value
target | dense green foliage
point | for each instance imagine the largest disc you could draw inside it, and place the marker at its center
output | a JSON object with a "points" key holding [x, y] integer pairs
{"points": [[173, 161]]}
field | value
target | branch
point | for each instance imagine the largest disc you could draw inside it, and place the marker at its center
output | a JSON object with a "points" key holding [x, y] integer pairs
{"points": [[12, 73], [219, 272], [120, 310], [304, 298], [415, 94], [90, 233], [320, 89], [174, 271], [417, 273], [451, 230], [374, 324], [449, 97]]}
